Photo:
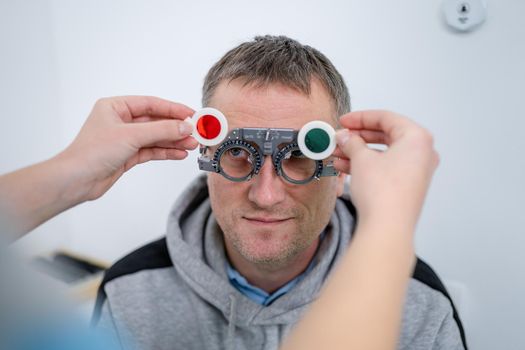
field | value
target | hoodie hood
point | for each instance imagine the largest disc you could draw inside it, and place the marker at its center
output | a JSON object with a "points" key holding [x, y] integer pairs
{"points": [[175, 291], [196, 247]]}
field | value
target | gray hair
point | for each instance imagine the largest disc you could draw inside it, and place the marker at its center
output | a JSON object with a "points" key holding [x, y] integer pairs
{"points": [[278, 59]]}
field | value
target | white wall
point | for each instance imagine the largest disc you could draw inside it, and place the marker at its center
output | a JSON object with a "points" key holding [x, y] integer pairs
{"points": [[30, 125], [59, 56]]}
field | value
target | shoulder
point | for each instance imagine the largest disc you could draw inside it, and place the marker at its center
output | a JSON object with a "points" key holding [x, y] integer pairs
{"points": [[152, 256], [428, 305], [429, 309]]}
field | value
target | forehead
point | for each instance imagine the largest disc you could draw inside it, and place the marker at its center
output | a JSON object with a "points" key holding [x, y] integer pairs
{"points": [[272, 106]]}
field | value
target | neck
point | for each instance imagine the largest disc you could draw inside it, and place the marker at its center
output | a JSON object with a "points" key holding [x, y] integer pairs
{"points": [[271, 278]]}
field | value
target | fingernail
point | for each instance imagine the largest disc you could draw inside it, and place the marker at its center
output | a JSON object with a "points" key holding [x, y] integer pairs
{"points": [[342, 137], [185, 128]]}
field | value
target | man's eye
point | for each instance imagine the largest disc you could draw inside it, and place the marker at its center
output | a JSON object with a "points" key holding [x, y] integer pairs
{"points": [[237, 153], [297, 154]]}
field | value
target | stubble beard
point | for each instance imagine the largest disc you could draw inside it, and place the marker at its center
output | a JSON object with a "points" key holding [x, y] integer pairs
{"points": [[302, 238]]}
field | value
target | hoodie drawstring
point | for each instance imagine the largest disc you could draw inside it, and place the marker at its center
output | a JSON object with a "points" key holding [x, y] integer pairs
{"points": [[230, 344]]}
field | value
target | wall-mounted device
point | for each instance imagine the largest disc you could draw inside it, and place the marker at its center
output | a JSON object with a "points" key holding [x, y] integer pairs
{"points": [[465, 15]]}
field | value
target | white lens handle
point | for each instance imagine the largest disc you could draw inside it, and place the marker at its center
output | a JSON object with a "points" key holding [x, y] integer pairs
{"points": [[316, 124], [214, 113]]}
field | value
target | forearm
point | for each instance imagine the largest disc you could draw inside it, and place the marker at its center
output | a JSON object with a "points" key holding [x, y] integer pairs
{"points": [[361, 305], [33, 195]]}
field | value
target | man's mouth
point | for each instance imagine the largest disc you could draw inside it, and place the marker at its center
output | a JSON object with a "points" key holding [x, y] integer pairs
{"points": [[265, 220]]}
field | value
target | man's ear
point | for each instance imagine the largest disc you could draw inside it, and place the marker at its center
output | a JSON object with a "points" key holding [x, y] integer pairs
{"points": [[341, 180]]}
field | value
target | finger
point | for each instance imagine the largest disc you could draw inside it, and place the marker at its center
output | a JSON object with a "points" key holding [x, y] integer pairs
{"points": [[155, 153], [147, 134], [338, 153], [188, 143], [376, 148], [343, 165], [148, 118], [129, 107], [390, 123], [372, 136], [350, 144]]}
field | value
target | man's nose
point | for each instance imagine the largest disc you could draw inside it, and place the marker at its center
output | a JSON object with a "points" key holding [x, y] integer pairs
{"points": [[266, 188]]}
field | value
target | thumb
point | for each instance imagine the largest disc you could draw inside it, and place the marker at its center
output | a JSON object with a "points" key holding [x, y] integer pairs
{"points": [[350, 143], [148, 133]]}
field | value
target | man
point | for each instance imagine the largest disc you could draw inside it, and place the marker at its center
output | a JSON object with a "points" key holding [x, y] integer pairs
{"points": [[241, 261]]}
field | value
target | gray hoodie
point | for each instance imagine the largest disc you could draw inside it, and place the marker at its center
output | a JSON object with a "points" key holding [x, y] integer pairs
{"points": [[175, 294]]}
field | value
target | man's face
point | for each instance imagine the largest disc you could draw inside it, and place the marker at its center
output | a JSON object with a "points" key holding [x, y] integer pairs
{"points": [[267, 220]]}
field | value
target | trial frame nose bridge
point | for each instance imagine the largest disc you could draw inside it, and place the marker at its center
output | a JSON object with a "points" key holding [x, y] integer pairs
{"points": [[267, 139]]}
